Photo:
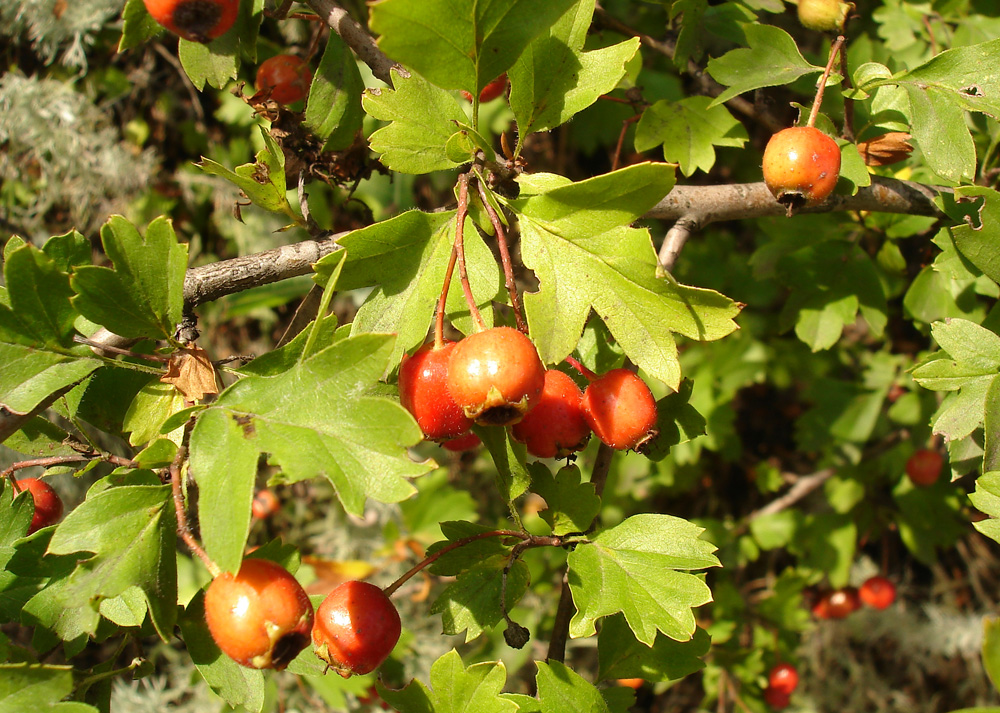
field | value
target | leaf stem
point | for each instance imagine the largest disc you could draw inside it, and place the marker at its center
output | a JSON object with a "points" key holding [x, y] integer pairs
{"points": [[430, 559], [183, 528], [463, 275], [508, 268], [818, 101]]}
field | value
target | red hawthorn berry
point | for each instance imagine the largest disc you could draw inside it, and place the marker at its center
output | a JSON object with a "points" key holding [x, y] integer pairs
{"points": [[837, 603], [877, 592], [620, 409], [357, 626], [423, 391], [801, 166], [48, 506], [195, 20], [556, 426], [261, 617], [491, 91], [265, 503], [496, 376], [463, 443], [287, 76], [783, 677], [924, 467], [776, 699]]}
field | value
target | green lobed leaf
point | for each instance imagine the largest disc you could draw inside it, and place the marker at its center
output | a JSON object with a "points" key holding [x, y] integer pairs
{"points": [[422, 119], [554, 78], [152, 408], [621, 655], [38, 687], [991, 649], [461, 44], [131, 533], [574, 230], [263, 182], [772, 59], [939, 128], [143, 296], [333, 110], [634, 568], [509, 457], [986, 499], [468, 555], [317, 419], [563, 690], [571, 506], [226, 473], [39, 312], [138, 26], [453, 689], [977, 242], [472, 602], [689, 130], [405, 258]]}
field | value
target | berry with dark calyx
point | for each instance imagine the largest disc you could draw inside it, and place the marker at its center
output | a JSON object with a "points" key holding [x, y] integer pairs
{"points": [[801, 166], [357, 626], [265, 503], [823, 15], [261, 617], [496, 376], [778, 700], [924, 467], [620, 409], [463, 443], [287, 76], [195, 20], [423, 391], [491, 91], [783, 677], [48, 505], [556, 426], [877, 592]]}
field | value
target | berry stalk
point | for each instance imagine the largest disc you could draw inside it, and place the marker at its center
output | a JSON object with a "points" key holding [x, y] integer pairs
{"points": [[463, 275], [818, 101], [508, 268]]}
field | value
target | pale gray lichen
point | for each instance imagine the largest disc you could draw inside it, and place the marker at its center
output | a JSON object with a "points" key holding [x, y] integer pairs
{"points": [[58, 28]]}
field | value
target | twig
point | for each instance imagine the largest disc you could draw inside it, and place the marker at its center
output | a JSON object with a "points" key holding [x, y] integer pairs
{"points": [[50, 461], [800, 489], [357, 38], [430, 559]]}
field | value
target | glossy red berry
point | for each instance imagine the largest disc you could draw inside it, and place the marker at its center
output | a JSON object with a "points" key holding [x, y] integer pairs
{"points": [[877, 592], [837, 604], [265, 503], [620, 409], [495, 376], [48, 506], [783, 677], [287, 76], [801, 166], [423, 391], [924, 467], [261, 617], [823, 15], [463, 443], [491, 91], [777, 699], [556, 426], [195, 20], [357, 627]]}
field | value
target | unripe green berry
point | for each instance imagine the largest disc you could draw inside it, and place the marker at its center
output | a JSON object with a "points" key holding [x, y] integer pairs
{"points": [[823, 15]]}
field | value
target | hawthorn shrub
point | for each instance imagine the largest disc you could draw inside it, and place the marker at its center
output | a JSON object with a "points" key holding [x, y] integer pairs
{"points": [[587, 178]]}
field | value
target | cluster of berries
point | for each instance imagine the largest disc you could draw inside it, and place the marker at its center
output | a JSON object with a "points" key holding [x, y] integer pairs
{"points": [[782, 680], [877, 592], [495, 378]]}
